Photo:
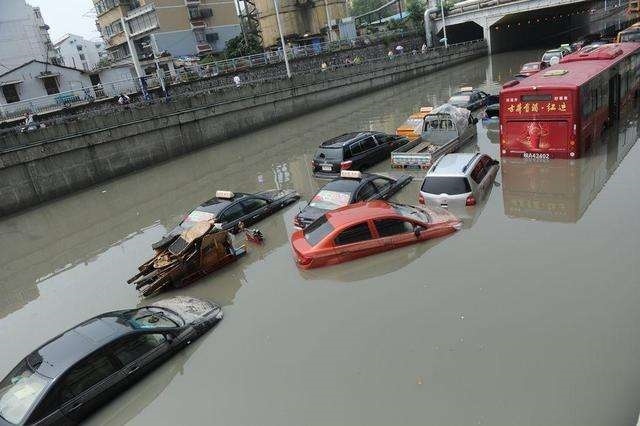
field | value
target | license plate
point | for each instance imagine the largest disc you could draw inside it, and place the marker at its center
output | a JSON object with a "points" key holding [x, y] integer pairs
{"points": [[326, 168]]}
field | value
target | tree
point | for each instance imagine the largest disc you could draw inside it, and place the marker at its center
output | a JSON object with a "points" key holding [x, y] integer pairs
{"points": [[358, 7], [236, 46], [416, 9]]}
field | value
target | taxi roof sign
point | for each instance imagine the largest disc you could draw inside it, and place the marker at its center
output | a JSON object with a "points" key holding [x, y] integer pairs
{"points": [[426, 109], [466, 89], [224, 194], [351, 174]]}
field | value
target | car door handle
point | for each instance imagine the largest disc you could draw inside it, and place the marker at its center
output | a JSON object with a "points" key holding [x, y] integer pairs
{"points": [[255, 216], [133, 369]]}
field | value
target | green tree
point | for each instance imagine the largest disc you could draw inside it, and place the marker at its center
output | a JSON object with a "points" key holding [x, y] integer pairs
{"points": [[237, 47], [416, 9]]}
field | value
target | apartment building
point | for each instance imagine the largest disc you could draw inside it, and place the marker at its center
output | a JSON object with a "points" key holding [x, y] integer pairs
{"points": [[24, 36], [77, 52], [179, 27]]}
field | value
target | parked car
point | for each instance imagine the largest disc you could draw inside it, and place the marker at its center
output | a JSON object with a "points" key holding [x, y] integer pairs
{"points": [[367, 228], [353, 151], [460, 179], [469, 98], [553, 56], [531, 68], [227, 209], [71, 375], [352, 186]]}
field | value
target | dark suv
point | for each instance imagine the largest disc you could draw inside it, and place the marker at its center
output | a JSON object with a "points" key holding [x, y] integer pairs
{"points": [[353, 151]]}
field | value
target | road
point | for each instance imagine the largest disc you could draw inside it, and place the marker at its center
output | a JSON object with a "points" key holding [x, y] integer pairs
{"points": [[527, 316]]}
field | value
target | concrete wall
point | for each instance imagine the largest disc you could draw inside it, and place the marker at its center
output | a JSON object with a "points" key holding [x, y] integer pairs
{"points": [[63, 159]]}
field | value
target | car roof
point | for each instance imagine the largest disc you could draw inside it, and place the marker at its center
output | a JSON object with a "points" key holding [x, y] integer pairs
{"points": [[216, 205], [453, 164], [359, 212], [342, 140], [63, 351]]}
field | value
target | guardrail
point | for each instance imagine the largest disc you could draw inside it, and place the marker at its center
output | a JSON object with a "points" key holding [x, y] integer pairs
{"points": [[90, 94], [212, 86]]}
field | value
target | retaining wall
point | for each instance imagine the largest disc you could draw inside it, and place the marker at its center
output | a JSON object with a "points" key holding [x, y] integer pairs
{"points": [[51, 162]]}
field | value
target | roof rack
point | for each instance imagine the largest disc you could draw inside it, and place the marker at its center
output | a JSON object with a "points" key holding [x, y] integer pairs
{"points": [[464, 169]]}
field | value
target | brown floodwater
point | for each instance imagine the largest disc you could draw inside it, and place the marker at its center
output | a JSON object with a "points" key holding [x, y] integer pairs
{"points": [[527, 316]]}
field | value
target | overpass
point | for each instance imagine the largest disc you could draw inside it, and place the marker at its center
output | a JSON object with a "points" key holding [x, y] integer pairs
{"points": [[512, 24]]}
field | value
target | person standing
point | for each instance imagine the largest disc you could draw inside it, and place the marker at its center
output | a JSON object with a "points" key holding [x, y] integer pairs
{"points": [[424, 48], [236, 80]]}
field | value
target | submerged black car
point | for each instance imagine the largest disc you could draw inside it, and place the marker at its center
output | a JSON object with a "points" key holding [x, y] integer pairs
{"points": [[350, 188], [353, 151], [228, 209], [73, 374], [469, 98]]}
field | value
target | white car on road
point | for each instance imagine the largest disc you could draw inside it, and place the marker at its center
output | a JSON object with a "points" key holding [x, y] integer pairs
{"points": [[460, 179]]}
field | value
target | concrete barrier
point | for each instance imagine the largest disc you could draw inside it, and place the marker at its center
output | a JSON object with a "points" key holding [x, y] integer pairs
{"points": [[39, 166]]}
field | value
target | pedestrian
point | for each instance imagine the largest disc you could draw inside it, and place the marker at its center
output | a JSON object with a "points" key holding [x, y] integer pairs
{"points": [[399, 49], [390, 54], [236, 80], [424, 48], [323, 66], [123, 99]]}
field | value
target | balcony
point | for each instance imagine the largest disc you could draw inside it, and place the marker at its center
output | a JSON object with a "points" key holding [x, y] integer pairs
{"points": [[142, 20], [196, 13], [204, 48]]}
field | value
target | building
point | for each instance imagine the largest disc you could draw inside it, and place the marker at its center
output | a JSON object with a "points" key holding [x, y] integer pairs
{"points": [[35, 79], [23, 35], [77, 52], [299, 18], [179, 27]]}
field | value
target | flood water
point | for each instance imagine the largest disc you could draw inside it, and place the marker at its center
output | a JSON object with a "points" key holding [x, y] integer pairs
{"points": [[527, 316]]}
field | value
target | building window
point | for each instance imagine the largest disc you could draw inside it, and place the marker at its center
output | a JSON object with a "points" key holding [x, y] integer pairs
{"points": [[79, 48], [50, 85], [200, 36], [82, 57], [10, 92]]}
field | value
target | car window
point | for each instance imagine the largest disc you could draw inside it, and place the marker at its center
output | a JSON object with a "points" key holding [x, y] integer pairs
{"points": [[486, 162], [355, 148], [354, 234], [85, 374], [368, 144], [319, 229], [382, 184], [478, 172], [365, 192], [19, 391], [446, 185], [134, 347], [389, 227], [253, 204], [232, 213]]}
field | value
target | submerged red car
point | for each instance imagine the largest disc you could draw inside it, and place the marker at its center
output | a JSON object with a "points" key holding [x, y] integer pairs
{"points": [[366, 228], [530, 68]]}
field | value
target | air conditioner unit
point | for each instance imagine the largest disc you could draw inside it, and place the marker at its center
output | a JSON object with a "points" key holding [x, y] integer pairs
{"points": [[212, 37]]}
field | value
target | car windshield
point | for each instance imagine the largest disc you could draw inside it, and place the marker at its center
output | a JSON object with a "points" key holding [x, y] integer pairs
{"points": [[19, 391], [459, 99], [330, 200], [196, 216], [152, 317], [412, 213], [547, 56], [329, 154], [451, 185], [319, 229]]}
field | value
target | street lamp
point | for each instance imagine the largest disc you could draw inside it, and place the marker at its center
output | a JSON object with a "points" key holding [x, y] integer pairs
{"points": [[284, 50], [444, 24]]}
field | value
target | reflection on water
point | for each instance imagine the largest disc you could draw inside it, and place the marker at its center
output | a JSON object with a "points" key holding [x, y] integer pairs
{"points": [[562, 190], [476, 307]]}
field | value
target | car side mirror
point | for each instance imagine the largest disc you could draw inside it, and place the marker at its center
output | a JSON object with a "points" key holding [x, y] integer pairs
{"points": [[417, 230]]}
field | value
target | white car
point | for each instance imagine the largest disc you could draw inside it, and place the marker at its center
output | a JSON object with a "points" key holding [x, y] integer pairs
{"points": [[460, 179]]}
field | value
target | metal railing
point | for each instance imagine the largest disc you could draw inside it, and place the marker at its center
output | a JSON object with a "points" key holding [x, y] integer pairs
{"points": [[97, 93]]}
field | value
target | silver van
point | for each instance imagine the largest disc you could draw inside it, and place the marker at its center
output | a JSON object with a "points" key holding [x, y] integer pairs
{"points": [[460, 179]]}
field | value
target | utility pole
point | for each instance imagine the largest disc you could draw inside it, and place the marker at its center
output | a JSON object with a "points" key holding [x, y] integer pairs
{"points": [[159, 71], [326, 8], [444, 25], [284, 49], [133, 51]]}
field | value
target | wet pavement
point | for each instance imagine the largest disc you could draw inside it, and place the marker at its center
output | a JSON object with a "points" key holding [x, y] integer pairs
{"points": [[527, 316]]}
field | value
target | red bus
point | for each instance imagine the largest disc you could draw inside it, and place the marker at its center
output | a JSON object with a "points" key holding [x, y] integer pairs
{"points": [[560, 112]]}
